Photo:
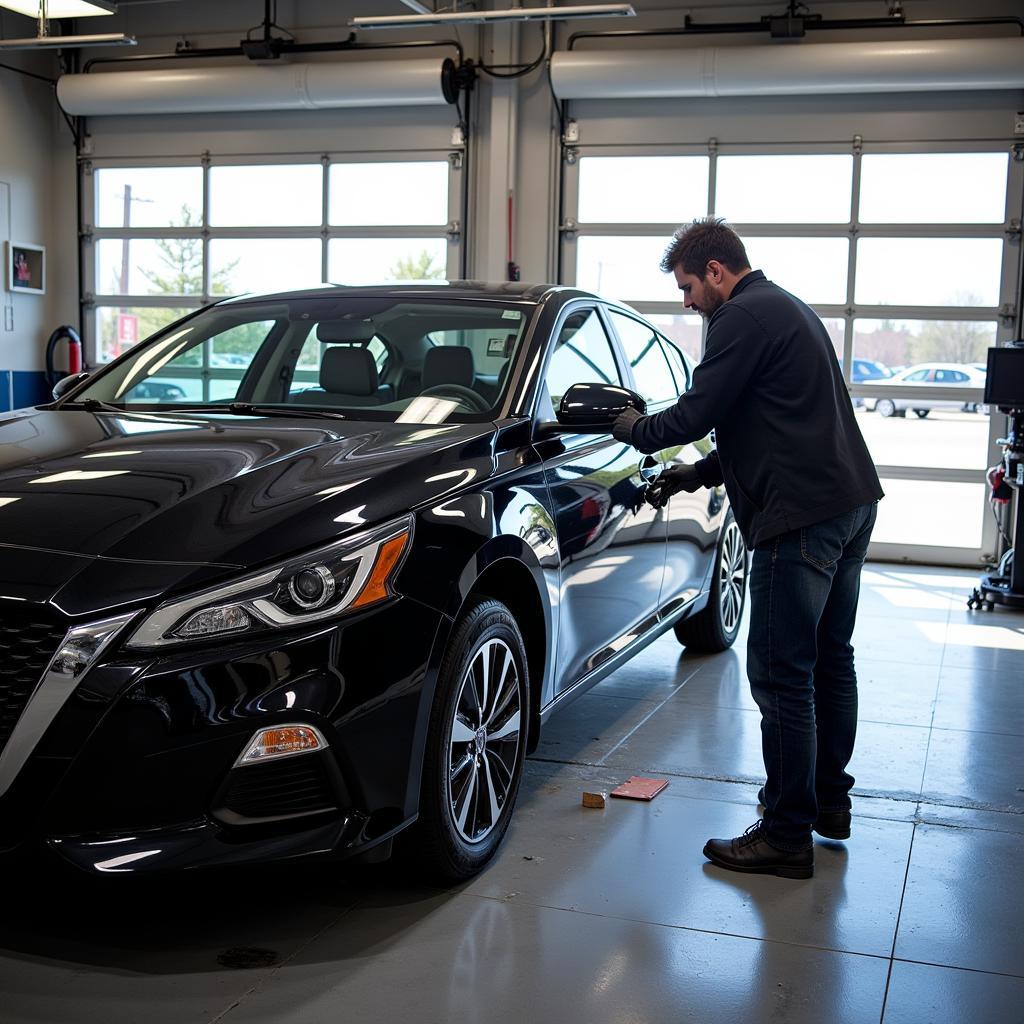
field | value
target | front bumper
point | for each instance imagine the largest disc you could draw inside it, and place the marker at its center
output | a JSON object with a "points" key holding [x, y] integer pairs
{"points": [[137, 772]]}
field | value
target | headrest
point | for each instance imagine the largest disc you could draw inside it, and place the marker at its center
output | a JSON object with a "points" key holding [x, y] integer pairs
{"points": [[348, 370], [448, 365]]}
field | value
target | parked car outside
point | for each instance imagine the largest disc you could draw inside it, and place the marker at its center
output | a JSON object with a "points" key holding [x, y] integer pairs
{"points": [[331, 607], [927, 375], [869, 369]]}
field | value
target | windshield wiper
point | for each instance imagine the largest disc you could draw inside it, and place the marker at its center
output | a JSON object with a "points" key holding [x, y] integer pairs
{"points": [[294, 411], [98, 405]]}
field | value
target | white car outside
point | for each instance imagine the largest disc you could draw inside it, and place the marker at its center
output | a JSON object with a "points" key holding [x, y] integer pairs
{"points": [[928, 375]]}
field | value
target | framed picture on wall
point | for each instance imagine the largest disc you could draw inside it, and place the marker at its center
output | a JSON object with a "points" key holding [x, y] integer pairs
{"points": [[26, 268]]}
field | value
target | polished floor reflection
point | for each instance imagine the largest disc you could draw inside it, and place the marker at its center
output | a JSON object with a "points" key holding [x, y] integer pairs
{"points": [[613, 915]]}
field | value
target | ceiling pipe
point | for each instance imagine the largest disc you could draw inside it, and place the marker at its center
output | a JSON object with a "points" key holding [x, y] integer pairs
{"points": [[203, 90], [791, 70]]}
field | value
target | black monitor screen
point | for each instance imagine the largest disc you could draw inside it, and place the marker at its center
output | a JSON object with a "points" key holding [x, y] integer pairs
{"points": [[1004, 382]]}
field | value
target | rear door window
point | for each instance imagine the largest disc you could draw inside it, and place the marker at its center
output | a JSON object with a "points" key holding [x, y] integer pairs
{"points": [[647, 359]]}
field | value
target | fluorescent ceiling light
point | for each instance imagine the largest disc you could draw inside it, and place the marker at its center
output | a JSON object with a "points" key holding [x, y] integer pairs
{"points": [[487, 17], [67, 42], [61, 8]]}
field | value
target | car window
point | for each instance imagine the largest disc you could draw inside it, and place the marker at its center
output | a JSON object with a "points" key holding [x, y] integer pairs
{"points": [[174, 368], [650, 366], [582, 355], [677, 362], [248, 351], [917, 375]]}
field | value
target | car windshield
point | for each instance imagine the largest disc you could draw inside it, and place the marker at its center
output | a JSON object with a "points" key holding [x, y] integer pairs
{"points": [[409, 359]]}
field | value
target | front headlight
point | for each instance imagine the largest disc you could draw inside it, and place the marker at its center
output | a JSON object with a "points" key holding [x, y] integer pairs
{"points": [[348, 575]]}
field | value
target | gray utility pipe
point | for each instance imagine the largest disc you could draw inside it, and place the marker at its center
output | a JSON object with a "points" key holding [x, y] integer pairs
{"points": [[204, 90], [790, 69]]}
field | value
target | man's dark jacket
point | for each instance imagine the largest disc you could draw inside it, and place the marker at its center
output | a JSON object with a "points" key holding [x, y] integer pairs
{"points": [[790, 452]]}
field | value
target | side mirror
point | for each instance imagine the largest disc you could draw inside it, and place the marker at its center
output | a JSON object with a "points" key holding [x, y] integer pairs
{"points": [[66, 384], [593, 408]]}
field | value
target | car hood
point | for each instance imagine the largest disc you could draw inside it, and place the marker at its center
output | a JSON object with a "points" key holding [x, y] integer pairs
{"points": [[178, 499]]}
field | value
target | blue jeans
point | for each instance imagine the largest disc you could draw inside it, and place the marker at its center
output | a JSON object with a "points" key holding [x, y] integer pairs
{"points": [[804, 587]]}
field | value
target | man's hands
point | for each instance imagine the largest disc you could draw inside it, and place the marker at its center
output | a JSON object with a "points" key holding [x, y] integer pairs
{"points": [[672, 481], [622, 428]]}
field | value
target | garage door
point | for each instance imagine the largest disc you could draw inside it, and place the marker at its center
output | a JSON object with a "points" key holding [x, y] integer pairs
{"points": [[909, 253]]}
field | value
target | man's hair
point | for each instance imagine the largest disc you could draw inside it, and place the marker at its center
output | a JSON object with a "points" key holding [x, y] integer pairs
{"points": [[707, 238]]}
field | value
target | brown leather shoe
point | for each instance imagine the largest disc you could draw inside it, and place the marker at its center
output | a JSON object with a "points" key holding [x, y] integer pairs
{"points": [[830, 824], [754, 854]]}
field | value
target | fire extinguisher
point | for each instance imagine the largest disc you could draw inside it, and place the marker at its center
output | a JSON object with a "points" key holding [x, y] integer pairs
{"points": [[74, 354]]}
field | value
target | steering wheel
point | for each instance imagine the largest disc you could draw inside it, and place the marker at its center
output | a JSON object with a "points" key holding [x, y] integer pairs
{"points": [[465, 396]]}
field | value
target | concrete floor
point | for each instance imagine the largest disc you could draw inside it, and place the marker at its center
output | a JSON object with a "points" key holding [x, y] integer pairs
{"points": [[614, 915]]}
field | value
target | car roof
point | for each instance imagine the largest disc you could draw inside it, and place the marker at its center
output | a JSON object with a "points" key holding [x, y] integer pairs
{"points": [[512, 291], [939, 366]]}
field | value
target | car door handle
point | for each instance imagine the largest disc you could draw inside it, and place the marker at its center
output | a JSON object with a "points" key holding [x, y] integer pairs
{"points": [[650, 469]]}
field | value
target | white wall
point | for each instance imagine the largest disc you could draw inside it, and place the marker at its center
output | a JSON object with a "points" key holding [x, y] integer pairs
{"points": [[37, 171]]}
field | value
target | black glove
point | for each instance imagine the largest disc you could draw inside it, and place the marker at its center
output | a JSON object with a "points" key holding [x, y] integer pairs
{"points": [[672, 481], [622, 428]]}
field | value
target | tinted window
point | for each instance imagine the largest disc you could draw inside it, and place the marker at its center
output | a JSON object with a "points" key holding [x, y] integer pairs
{"points": [[680, 371], [582, 355], [650, 366], [268, 344]]}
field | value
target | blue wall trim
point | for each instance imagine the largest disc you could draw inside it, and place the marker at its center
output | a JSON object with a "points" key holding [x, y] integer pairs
{"points": [[19, 388]]}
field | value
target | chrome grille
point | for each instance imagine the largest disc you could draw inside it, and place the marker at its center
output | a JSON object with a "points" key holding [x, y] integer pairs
{"points": [[27, 643]]}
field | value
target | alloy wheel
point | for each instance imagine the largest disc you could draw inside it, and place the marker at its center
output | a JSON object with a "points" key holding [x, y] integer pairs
{"points": [[732, 576], [484, 742]]}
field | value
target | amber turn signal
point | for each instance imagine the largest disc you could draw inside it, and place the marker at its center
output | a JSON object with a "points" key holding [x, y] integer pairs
{"points": [[282, 741], [376, 587]]}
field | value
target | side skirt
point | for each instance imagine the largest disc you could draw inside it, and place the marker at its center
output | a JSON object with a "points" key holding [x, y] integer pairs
{"points": [[663, 622]]}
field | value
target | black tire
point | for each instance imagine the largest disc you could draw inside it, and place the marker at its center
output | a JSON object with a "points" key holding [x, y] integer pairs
{"points": [[885, 407], [449, 850], [716, 626], [921, 413]]}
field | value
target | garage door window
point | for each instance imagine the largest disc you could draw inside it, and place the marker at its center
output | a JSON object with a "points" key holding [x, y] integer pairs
{"points": [[148, 197], [933, 188], [928, 271], [413, 192], [798, 188], [269, 227], [621, 189], [377, 260], [263, 264], [274, 195]]}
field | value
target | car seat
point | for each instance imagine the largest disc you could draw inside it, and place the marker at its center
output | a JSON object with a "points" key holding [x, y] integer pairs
{"points": [[448, 364], [348, 376]]}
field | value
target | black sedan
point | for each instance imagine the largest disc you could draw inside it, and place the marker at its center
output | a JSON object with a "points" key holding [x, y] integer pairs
{"points": [[329, 589]]}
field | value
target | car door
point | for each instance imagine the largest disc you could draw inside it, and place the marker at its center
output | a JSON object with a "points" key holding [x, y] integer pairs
{"points": [[659, 375], [611, 543], [947, 377]]}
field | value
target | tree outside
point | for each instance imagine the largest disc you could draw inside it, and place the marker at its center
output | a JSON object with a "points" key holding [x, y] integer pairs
{"points": [[417, 268], [952, 341]]}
